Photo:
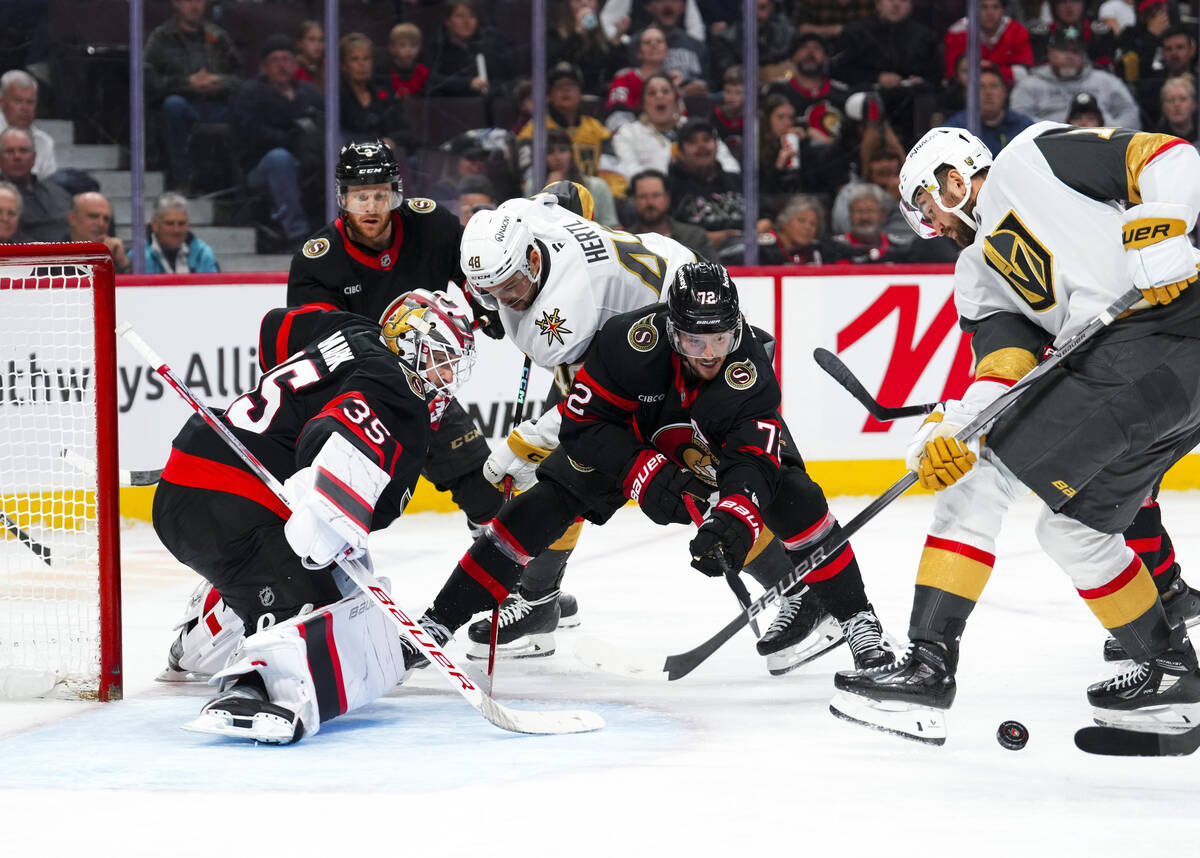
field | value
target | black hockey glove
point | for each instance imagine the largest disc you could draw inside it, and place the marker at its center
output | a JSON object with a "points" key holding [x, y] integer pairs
{"points": [[486, 320], [726, 536], [657, 484]]}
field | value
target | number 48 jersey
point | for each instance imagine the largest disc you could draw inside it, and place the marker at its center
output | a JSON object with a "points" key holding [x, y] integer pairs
{"points": [[589, 274]]}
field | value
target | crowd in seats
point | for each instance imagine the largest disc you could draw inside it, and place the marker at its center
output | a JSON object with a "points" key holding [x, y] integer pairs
{"points": [[645, 105]]}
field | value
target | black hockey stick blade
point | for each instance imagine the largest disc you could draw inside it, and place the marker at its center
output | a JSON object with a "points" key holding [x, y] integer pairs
{"points": [[1115, 742], [42, 552], [841, 373]]}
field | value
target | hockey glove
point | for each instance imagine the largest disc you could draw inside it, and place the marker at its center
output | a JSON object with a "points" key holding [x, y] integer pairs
{"points": [[1159, 259], [657, 484], [486, 320], [939, 459], [526, 447], [726, 536]]}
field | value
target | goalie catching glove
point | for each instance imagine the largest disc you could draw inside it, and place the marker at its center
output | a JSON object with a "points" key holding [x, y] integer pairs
{"points": [[726, 536], [527, 445], [658, 484], [1159, 259], [333, 502]]}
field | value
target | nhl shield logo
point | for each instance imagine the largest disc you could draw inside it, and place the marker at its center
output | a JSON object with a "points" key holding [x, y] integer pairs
{"points": [[741, 375], [643, 336], [385, 261], [266, 597], [315, 247]]}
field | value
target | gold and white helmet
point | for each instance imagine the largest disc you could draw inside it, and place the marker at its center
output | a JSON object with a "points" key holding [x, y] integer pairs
{"points": [[957, 147]]}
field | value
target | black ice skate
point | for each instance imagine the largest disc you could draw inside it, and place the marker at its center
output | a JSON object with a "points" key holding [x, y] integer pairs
{"points": [[243, 712], [1161, 695], [568, 611], [1182, 605], [526, 628], [907, 698], [415, 659], [867, 645], [802, 631]]}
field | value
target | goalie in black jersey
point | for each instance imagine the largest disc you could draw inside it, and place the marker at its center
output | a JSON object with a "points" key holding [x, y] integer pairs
{"points": [[345, 424], [672, 401]]}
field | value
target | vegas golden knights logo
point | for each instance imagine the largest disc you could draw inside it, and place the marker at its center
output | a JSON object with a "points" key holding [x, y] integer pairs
{"points": [[1027, 266]]}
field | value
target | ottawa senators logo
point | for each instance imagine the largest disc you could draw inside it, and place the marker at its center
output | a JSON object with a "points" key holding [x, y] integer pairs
{"points": [[315, 247], [421, 205], [741, 375], [643, 336], [1013, 252], [680, 444], [414, 381], [583, 469]]}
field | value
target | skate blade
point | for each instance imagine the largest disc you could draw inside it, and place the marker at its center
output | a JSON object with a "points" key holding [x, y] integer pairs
{"points": [[261, 727], [570, 622], [172, 675], [1169, 720], [530, 646], [827, 636], [915, 723]]}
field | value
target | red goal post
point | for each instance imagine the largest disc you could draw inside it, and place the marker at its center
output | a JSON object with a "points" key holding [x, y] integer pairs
{"points": [[60, 583]]}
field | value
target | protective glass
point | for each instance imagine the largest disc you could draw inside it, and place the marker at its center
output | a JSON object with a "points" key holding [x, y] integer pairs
{"points": [[917, 221], [703, 346], [517, 288], [368, 199]]}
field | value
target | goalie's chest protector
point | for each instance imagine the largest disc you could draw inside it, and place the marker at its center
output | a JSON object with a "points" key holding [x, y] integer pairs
{"points": [[1042, 250]]}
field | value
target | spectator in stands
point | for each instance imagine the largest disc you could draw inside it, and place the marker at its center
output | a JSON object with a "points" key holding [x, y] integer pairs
{"points": [[619, 17], [1099, 42], [705, 194], [1139, 45], [649, 143], [652, 208], [686, 54], [625, 92], [170, 246], [560, 166], [193, 67], [790, 159], [44, 203], [18, 107], [1175, 58], [881, 167], [999, 125], [310, 53], [404, 74], [1179, 109], [895, 54], [866, 241], [1004, 42], [775, 36], [1117, 15], [798, 236], [1047, 92], [1084, 112], [451, 57], [827, 18], [278, 121], [91, 219], [727, 116], [475, 193], [10, 213], [368, 111], [575, 36]]}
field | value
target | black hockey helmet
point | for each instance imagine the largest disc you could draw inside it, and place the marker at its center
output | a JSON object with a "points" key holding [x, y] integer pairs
{"points": [[367, 163], [702, 303]]}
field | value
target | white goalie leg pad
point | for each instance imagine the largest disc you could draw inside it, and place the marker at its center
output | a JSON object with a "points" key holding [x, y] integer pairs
{"points": [[1091, 558], [209, 632], [970, 511], [918, 723]]}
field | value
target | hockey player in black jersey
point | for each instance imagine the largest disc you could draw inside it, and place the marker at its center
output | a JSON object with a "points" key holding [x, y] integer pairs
{"points": [[344, 423], [671, 401]]}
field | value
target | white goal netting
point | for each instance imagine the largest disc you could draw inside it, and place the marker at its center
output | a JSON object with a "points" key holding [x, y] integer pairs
{"points": [[49, 550]]}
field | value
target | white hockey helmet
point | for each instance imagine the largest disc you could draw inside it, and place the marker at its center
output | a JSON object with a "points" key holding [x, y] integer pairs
{"points": [[495, 246], [431, 331], [957, 147]]}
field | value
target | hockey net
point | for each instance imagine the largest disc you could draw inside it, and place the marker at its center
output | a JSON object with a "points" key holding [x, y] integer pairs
{"points": [[60, 629]]}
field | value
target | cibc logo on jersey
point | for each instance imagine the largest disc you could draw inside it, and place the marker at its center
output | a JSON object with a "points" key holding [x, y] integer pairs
{"points": [[1013, 252]]}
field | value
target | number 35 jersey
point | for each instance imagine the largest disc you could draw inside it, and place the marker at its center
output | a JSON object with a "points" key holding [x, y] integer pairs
{"points": [[589, 274]]}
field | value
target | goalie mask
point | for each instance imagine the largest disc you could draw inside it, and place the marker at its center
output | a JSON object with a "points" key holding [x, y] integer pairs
{"points": [[431, 333], [495, 257], [367, 178], [703, 317], [954, 147]]}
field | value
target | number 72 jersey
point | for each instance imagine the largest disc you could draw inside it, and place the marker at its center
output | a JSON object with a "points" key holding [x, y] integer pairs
{"points": [[594, 273]]}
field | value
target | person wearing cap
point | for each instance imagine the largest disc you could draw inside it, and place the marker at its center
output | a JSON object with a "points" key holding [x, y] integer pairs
{"points": [[1003, 41], [1047, 92], [278, 123], [998, 124], [192, 67], [1099, 41], [703, 192], [1084, 112]]}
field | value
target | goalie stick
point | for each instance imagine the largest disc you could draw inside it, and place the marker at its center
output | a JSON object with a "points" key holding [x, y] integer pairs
{"points": [[126, 478], [514, 720], [841, 373], [42, 552], [680, 665], [1115, 742]]}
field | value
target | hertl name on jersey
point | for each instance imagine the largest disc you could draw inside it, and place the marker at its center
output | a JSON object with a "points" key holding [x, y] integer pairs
{"points": [[589, 241], [335, 350]]}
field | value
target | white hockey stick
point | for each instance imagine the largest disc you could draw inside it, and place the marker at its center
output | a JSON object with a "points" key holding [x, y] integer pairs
{"points": [[517, 721], [125, 478]]}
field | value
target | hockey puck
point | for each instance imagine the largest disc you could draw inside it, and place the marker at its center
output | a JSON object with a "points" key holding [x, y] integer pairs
{"points": [[1012, 735]]}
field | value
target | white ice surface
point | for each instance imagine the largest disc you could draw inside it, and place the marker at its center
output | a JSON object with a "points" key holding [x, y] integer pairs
{"points": [[727, 761]]}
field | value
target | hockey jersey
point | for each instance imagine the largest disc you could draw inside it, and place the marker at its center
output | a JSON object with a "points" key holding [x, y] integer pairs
{"points": [[589, 274]]}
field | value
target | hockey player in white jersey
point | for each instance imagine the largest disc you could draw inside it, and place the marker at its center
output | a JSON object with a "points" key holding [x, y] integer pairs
{"points": [[1063, 222]]}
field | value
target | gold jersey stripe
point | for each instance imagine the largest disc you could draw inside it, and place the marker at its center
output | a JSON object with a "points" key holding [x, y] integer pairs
{"points": [[1127, 604], [952, 572], [1011, 363], [570, 536], [1138, 153], [764, 539]]}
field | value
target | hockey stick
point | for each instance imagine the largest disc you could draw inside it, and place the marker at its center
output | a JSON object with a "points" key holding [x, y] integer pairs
{"points": [[1115, 742], [41, 551], [125, 478], [841, 373], [515, 720], [508, 493], [680, 665], [736, 584]]}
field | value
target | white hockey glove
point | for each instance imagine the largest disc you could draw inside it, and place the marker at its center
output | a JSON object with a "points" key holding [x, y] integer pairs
{"points": [[1159, 259], [527, 445], [333, 502]]}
